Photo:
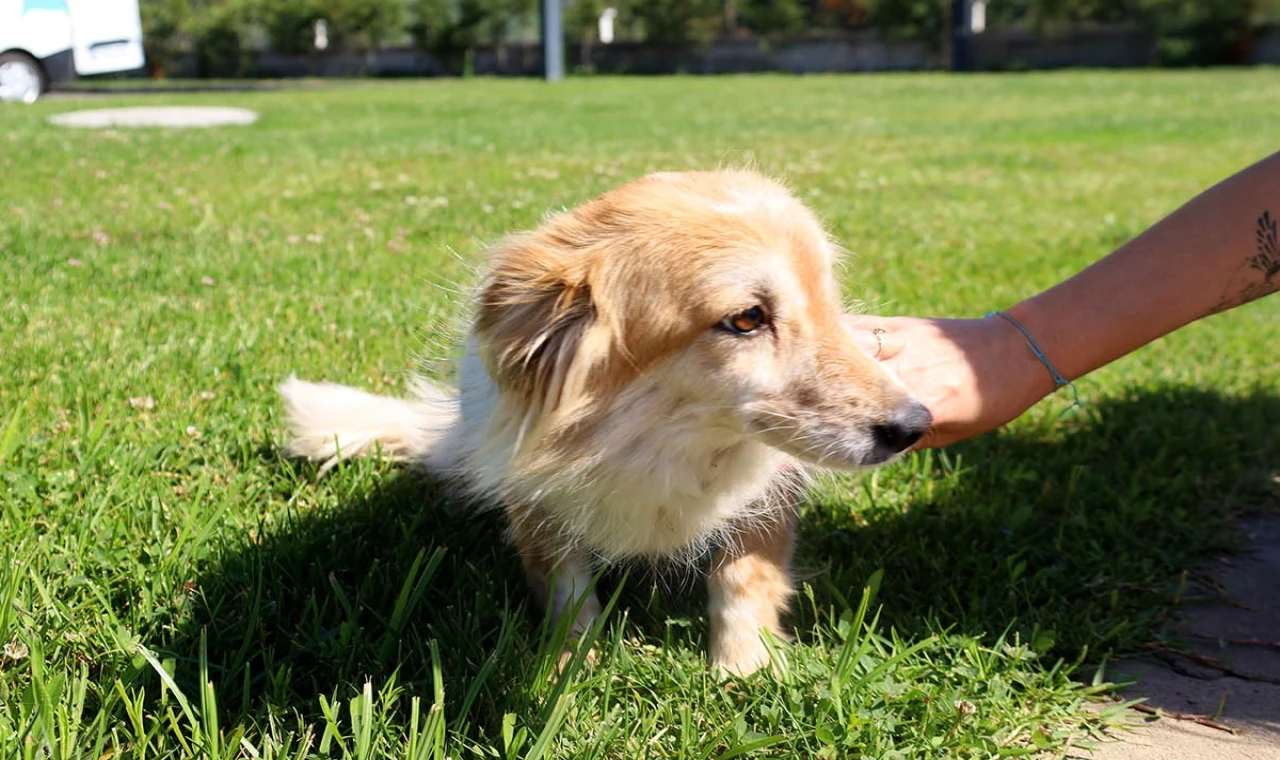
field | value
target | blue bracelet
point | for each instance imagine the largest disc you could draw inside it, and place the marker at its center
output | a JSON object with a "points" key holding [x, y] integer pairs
{"points": [[1058, 379]]}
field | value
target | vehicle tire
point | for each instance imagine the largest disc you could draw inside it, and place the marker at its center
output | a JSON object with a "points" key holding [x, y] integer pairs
{"points": [[21, 78]]}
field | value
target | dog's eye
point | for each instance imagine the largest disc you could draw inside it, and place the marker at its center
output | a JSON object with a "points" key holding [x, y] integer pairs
{"points": [[745, 322]]}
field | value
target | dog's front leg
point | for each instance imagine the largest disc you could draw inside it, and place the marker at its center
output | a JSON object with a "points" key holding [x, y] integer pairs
{"points": [[559, 574], [750, 586]]}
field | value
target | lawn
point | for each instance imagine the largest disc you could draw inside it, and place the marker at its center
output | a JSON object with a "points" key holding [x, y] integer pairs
{"points": [[171, 586]]}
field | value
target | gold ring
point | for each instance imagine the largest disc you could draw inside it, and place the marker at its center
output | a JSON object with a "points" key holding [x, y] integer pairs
{"points": [[879, 333]]}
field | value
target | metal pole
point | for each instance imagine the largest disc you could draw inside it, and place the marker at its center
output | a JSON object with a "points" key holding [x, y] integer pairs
{"points": [[961, 20], [552, 40]]}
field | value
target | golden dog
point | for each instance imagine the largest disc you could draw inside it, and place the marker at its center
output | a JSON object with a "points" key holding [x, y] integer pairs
{"points": [[647, 375]]}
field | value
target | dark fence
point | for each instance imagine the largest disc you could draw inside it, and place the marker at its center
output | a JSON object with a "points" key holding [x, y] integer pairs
{"points": [[994, 50], [1101, 47]]}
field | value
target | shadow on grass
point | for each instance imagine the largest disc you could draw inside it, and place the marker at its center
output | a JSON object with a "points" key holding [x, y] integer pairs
{"points": [[1074, 537]]}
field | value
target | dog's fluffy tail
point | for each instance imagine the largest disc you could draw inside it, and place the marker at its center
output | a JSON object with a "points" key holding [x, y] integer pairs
{"points": [[330, 422]]}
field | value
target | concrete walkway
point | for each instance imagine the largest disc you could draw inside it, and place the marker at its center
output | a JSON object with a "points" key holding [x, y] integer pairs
{"points": [[1227, 672]]}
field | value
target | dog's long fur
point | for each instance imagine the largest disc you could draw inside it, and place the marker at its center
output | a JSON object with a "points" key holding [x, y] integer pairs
{"points": [[610, 403]]}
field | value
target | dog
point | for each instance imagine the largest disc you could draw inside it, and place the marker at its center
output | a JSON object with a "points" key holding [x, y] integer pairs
{"points": [[647, 375]]}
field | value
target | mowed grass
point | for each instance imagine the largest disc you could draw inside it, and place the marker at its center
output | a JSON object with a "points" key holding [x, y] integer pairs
{"points": [[171, 586]]}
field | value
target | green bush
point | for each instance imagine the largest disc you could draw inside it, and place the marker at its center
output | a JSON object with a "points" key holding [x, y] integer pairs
{"points": [[289, 24], [352, 24], [1265, 12], [678, 22], [163, 23], [925, 20], [1187, 32], [580, 17], [1042, 13], [1197, 33], [217, 33], [362, 24], [780, 17], [451, 29]]}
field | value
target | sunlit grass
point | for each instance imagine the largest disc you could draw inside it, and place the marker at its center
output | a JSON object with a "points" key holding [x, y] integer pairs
{"points": [[171, 587]]}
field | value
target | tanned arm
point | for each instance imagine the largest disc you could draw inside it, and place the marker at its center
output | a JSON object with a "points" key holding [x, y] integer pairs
{"points": [[1217, 252]]}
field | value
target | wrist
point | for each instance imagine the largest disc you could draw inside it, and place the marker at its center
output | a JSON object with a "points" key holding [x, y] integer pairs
{"points": [[1029, 381]]}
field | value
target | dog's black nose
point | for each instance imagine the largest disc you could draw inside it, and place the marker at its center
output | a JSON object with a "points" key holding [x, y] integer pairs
{"points": [[908, 424]]}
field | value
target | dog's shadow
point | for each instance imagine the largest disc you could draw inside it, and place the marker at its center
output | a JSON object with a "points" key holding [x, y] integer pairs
{"points": [[1069, 533]]}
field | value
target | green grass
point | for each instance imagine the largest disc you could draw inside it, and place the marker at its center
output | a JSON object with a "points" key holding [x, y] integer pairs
{"points": [[180, 589]]}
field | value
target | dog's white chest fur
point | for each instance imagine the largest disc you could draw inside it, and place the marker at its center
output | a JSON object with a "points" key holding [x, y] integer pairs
{"points": [[657, 477]]}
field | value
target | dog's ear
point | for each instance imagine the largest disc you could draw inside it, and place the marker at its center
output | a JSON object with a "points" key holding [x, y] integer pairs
{"points": [[538, 325]]}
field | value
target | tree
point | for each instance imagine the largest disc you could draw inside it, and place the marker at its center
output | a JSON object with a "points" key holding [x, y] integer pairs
{"points": [[289, 24], [840, 14], [1194, 32], [679, 22], [780, 17], [217, 32], [925, 20], [362, 24], [163, 22], [352, 24], [581, 18], [451, 29], [1041, 13]]}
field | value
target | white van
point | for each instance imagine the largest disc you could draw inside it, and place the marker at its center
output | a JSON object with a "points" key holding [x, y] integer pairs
{"points": [[48, 41]]}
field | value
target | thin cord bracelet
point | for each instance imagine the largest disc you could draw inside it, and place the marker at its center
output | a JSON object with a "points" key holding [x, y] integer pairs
{"points": [[1058, 379]]}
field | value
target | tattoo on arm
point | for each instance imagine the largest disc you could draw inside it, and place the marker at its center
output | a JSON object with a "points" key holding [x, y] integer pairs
{"points": [[1265, 262], [1267, 259]]}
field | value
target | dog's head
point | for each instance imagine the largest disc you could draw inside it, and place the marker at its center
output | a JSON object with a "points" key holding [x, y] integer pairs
{"points": [[714, 289]]}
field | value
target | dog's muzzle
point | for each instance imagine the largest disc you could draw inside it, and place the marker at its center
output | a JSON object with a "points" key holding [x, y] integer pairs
{"points": [[906, 427]]}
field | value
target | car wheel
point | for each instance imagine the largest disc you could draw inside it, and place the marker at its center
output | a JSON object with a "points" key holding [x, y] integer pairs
{"points": [[21, 78]]}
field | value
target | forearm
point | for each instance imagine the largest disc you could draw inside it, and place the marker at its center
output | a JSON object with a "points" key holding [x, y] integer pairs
{"points": [[1215, 253]]}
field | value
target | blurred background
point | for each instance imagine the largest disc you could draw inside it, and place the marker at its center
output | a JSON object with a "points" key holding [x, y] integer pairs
{"points": [[293, 38]]}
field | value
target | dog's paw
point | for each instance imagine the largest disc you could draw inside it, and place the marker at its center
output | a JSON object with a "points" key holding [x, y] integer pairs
{"points": [[567, 654], [740, 654]]}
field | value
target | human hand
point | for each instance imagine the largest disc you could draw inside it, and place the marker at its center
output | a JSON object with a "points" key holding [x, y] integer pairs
{"points": [[974, 375]]}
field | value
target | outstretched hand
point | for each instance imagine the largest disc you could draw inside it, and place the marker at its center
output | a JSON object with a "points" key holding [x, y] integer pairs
{"points": [[974, 375], [1213, 254]]}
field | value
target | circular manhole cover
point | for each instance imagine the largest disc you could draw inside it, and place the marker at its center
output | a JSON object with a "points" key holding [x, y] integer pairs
{"points": [[156, 116]]}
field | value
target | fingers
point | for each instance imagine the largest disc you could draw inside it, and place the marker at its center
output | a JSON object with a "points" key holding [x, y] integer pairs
{"points": [[932, 439], [879, 337], [889, 343]]}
